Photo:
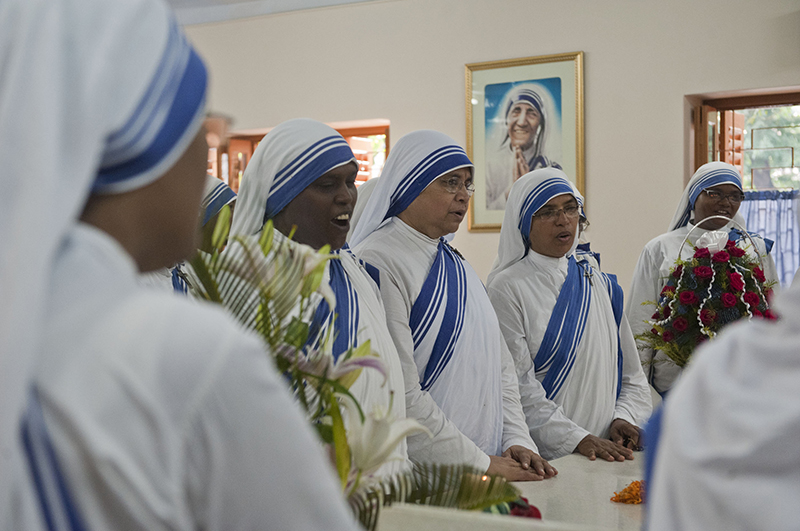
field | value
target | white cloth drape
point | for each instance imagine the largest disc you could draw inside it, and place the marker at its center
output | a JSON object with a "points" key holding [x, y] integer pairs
{"points": [[726, 457], [64, 91], [473, 409], [165, 414]]}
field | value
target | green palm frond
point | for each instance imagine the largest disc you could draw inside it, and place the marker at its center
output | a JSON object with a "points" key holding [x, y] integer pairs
{"points": [[454, 486]]}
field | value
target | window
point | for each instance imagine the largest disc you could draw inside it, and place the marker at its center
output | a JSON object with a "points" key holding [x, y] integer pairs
{"points": [[760, 136]]}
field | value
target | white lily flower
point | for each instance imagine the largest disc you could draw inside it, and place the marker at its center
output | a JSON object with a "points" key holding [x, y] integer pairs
{"points": [[372, 441]]}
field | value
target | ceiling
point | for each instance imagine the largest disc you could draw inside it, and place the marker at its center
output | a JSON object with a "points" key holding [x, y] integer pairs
{"points": [[203, 11]]}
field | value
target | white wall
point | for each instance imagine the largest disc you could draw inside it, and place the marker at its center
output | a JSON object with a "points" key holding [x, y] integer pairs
{"points": [[642, 57]]}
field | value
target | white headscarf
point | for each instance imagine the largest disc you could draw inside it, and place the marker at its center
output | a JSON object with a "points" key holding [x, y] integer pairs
{"points": [[707, 176], [288, 159], [364, 193], [418, 159], [530, 193], [538, 97], [110, 94], [216, 195]]}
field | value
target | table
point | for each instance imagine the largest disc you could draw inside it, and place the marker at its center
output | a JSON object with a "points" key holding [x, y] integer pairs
{"points": [[581, 491], [578, 499]]}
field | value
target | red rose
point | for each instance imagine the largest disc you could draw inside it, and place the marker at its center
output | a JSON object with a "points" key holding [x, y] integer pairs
{"points": [[730, 243], [680, 324], [728, 300], [678, 271], [688, 298], [768, 296], [703, 272], [721, 256], [654, 331], [759, 274], [756, 313], [668, 289], [667, 311], [522, 507], [655, 316], [769, 315], [751, 298], [702, 252], [735, 251], [707, 316], [737, 284], [667, 336]]}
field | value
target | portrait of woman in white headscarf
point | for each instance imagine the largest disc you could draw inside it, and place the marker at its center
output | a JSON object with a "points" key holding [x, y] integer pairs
{"points": [[714, 190], [523, 131]]}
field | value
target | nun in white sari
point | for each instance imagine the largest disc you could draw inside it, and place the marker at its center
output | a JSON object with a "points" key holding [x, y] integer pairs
{"points": [[715, 189], [459, 377], [562, 319], [123, 407], [303, 173]]}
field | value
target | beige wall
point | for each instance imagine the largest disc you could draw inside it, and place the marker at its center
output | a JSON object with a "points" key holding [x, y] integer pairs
{"points": [[642, 57]]}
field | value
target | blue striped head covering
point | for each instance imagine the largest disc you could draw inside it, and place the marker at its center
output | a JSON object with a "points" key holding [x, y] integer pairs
{"points": [[707, 176], [289, 158], [217, 194], [526, 95], [527, 196], [163, 124], [418, 159]]}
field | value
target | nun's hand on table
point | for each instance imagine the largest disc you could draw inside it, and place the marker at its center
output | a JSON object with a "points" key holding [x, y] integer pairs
{"points": [[512, 470], [626, 434], [594, 447]]}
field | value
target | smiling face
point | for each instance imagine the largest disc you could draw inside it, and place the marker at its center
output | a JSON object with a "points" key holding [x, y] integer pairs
{"points": [[554, 238], [322, 211], [523, 123], [704, 206], [436, 211]]}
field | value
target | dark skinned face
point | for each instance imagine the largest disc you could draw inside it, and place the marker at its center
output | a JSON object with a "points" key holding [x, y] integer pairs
{"points": [[322, 211]]}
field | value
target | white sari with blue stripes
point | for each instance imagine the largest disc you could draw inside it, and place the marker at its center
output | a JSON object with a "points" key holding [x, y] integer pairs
{"points": [[460, 380], [564, 326]]}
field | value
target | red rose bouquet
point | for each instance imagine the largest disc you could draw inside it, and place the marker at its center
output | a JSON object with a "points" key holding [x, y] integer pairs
{"points": [[720, 284]]}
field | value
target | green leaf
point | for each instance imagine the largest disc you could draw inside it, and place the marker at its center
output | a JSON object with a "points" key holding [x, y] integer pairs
{"points": [[222, 228], [455, 486], [266, 239], [339, 441], [296, 333]]}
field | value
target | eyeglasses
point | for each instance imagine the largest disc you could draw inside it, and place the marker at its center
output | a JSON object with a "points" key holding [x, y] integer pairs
{"points": [[716, 196], [453, 185], [551, 214]]}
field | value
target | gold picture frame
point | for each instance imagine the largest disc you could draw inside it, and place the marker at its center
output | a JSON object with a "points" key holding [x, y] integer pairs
{"points": [[493, 91]]}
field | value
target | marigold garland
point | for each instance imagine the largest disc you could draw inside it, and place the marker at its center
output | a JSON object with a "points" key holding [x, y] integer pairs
{"points": [[633, 493], [703, 294]]}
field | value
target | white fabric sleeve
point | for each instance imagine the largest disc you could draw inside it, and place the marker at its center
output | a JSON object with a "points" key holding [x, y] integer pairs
{"points": [[659, 370], [555, 434], [644, 287], [634, 403], [253, 461], [448, 444], [515, 429], [770, 270]]}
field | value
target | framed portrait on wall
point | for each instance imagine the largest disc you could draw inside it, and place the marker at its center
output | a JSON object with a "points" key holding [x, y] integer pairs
{"points": [[522, 114]]}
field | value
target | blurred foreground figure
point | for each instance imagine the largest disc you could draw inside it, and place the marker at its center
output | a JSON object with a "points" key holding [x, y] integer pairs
{"points": [[123, 407], [727, 456]]}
